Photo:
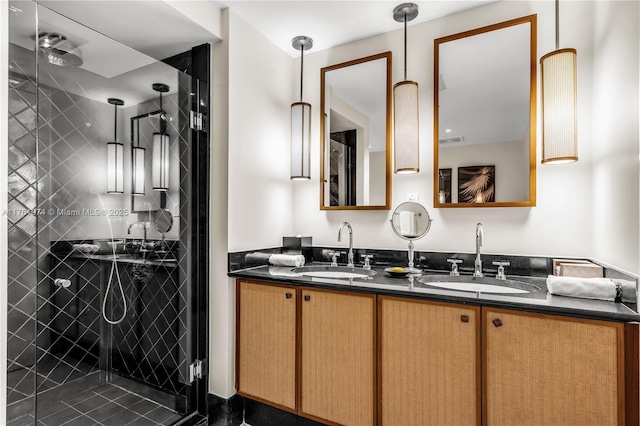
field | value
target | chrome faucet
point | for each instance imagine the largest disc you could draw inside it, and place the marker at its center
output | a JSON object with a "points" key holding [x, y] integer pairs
{"points": [[350, 254], [144, 228], [477, 272]]}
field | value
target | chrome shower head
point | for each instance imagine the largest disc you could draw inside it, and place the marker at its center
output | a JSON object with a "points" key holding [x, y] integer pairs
{"points": [[52, 48]]}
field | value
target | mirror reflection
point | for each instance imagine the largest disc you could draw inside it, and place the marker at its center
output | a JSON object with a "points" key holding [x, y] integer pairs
{"points": [[485, 115], [355, 134]]}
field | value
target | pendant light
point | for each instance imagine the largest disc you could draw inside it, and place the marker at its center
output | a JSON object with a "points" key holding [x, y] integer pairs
{"points": [[137, 163], [160, 156], [301, 122], [559, 91], [405, 107], [115, 155]]}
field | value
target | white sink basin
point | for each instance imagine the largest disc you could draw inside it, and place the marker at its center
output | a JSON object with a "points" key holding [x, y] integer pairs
{"points": [[333, 272], [478, 285]]}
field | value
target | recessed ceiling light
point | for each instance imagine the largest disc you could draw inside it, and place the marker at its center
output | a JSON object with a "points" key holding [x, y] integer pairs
{"points": [[448, 130]]}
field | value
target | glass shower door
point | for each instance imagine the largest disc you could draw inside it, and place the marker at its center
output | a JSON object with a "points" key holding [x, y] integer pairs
{"points": [[103, 285]]}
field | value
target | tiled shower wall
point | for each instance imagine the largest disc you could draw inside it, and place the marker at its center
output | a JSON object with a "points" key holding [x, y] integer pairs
{"points": [[22, 261], [44, 155]]}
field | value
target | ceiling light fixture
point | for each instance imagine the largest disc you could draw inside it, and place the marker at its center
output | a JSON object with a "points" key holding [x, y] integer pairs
{"points": [[301, 122], [559, 109], [405, 107], [160, 155], [115, 155]]}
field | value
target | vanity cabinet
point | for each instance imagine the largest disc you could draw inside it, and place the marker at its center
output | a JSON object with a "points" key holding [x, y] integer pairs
{"points": [[266, 343], [347, 358], [429, 361], [316, 347], [338, 357], [551, 370]]}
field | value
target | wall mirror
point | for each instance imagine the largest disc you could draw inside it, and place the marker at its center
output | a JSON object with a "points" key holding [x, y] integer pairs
{"points": [[485, 116], [355, 134]]}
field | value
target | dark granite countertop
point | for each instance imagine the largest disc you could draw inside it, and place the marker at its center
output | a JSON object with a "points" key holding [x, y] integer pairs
{"points": [[383, 284]]}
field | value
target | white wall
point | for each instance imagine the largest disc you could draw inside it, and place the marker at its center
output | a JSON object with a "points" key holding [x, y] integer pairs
{"points": [[562, 223], [615, 35], [261, 90], [221, 292], [251, 188]]}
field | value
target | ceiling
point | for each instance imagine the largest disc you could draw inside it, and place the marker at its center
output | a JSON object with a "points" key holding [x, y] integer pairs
{"points": [[332, 23], [152, 27]]}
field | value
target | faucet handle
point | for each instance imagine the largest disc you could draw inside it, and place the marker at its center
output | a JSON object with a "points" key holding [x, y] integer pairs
{"points": [[334, 258], [454, 266], [501, 264], [367, 264]]}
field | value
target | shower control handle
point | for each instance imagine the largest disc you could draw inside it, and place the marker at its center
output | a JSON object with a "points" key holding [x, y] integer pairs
{"points": [[62, 282]]}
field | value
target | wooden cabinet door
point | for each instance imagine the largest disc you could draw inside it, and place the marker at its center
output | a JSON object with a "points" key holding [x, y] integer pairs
{"points": [[429, 363], [266, 343], [550, 370], [338, 359]]}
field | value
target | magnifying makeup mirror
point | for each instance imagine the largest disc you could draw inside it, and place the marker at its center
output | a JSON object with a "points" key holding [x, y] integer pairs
{"points": [[163, 223], [411, 221]]}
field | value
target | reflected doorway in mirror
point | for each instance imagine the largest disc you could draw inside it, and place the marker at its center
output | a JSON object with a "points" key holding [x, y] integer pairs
{"points": [[444, 185]]}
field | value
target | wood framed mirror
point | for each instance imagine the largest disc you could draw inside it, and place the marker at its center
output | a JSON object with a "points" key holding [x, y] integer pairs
{"points": [[485, 116], [355, 134]]}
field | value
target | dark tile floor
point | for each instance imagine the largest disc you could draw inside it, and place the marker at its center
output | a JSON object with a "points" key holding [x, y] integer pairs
{"points": [[103, 405]]}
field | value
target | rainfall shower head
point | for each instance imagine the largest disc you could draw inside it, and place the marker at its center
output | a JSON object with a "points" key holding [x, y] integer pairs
{"points": [[52, 48]]}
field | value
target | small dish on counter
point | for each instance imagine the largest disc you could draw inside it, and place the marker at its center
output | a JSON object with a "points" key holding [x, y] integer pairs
{"points": [[397, 272]]}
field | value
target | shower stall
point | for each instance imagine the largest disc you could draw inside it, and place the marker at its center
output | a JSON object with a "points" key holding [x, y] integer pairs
{"points": [[107, 282]]}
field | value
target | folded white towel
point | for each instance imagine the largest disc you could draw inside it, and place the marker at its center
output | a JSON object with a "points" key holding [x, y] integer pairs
{"points": [[286, 260], [586, 288], [408, 223]]}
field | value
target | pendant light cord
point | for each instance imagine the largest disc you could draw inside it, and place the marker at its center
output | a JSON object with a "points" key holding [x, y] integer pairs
{"points": [[557, 25], [405, 46], [301, 69]]}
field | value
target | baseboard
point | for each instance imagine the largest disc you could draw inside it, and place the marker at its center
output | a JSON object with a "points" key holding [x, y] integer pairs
{"points": [[225, 412], [259, 414]]}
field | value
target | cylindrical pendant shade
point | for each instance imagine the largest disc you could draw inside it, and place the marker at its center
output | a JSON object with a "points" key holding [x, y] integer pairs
{"points": [[115, 168], [137, 161], [559, 123], [300, 140], [160, 162], [405, 127]]}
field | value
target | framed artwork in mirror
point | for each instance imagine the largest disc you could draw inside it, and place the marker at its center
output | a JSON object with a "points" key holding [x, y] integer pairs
{"points": [[477, 184]]}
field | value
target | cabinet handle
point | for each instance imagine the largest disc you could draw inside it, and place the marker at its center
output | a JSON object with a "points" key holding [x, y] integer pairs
{"points": [[307, 297], [497, 323], [288, 295], [464, 318]]}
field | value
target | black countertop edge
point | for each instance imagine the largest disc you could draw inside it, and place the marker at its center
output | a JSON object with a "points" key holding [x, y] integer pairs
{"points": [[381, 284]]}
